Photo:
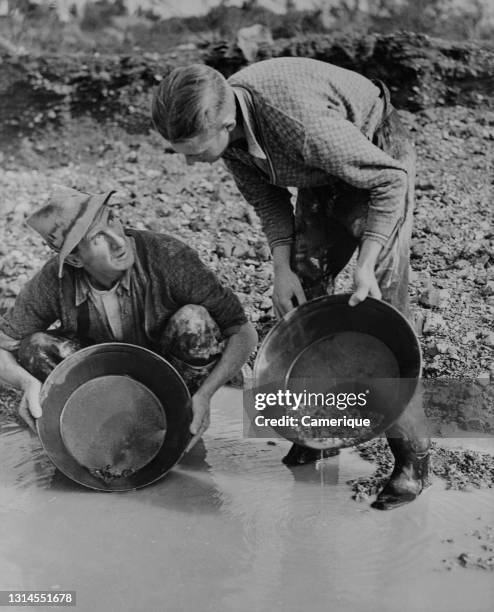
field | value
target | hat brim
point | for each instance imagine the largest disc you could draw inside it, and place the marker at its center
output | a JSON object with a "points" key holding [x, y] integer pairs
{"points": [[113, 360], [81, 225]]}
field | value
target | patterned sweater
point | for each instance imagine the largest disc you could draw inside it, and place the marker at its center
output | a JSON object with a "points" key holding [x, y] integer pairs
{"points": [[315, 122]]}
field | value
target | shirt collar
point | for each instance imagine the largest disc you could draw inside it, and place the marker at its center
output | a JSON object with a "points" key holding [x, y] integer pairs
{"points": [[245, 102], [83, 288]]}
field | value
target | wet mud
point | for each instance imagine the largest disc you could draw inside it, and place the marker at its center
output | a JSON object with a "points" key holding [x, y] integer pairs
{"points": [[232, 528]]}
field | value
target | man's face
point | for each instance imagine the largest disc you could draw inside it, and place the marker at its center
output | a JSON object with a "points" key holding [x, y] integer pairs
{"points": [[105, 251], [206, 147]]}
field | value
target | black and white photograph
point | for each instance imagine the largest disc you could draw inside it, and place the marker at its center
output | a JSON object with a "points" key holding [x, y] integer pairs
{"points": [[247, 305]]}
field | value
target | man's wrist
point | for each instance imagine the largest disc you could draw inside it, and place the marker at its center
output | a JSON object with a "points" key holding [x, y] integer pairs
{"points": [[369, 253], [281, 257], [27, 381], [204, 393]]}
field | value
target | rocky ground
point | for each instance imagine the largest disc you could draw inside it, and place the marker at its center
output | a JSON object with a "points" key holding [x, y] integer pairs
{"points": [[452, 284]]}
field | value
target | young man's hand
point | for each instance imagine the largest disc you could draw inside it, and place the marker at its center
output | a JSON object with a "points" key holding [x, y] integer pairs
{"points": [[364, 277], [286, 287], [200, 418], [30, 407], [365, 283]]}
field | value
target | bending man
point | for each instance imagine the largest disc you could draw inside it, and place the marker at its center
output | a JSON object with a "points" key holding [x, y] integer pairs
{"points": [[334, 135]]}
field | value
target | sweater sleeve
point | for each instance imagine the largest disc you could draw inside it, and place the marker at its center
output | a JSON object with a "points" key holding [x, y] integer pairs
{"points": [[270, 202], [35, 308], [338, 147]]}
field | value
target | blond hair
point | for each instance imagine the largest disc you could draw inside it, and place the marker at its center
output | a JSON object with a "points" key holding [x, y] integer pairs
{"points": [[190, 100]]}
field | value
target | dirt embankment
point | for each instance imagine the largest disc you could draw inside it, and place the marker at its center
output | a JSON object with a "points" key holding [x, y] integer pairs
{"points": [[421, 72]]}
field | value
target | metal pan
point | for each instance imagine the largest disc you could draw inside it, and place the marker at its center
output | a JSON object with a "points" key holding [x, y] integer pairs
{"points": [[327, 347], [115, 417]]}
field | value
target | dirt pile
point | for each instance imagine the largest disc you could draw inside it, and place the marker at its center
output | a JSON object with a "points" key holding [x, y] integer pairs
{"points": [[422, 72]]}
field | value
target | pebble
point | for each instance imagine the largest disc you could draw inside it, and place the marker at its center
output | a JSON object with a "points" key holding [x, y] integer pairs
{"points": [[433, 323], [489, 339], [265, 303], [488, 289], [434, 298], [443, 347], [132, 158]]}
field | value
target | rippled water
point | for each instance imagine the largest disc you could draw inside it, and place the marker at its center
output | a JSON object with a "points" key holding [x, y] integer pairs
{"points": [[232, 529]]}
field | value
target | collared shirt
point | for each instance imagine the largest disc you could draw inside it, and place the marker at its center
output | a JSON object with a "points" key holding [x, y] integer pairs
{"points": [[244, 99], [166, 275], [120, 319], [108, 304], [315, 123]]}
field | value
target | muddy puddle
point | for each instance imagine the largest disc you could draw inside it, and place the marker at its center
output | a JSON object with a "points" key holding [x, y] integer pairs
{"points": [[232, 529]]}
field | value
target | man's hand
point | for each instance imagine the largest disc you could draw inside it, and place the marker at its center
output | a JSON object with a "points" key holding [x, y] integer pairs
{"points": [[30, 407], [365, 282], [287, 287], [200, 418], [364, 277]]}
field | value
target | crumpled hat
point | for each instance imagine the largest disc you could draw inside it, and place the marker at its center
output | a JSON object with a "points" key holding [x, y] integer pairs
{"points": [[64, 220]]}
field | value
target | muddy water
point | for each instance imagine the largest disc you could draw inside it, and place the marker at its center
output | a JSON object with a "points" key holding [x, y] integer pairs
{"points": [[232, 529]]}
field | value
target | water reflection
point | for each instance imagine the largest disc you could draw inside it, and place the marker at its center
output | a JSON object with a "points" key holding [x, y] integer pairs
{"points": [[232, 528]]}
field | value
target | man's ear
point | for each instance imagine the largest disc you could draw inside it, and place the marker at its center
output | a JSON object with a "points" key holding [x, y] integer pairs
{"points": [[229, 123], [74, 260]]}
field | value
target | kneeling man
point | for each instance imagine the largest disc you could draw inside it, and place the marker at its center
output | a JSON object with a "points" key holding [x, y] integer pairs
{"points": [[113, 284]]}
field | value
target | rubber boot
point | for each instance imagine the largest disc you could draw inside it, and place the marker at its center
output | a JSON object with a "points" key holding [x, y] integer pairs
{"points": [[301, 455], [411, 473]]}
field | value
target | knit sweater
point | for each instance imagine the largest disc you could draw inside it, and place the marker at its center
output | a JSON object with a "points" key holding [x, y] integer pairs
{"points": [[315, 122], [166, 275]]}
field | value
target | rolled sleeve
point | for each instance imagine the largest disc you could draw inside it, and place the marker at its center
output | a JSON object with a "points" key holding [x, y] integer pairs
{"points": [[340, 148], [194, 283]]}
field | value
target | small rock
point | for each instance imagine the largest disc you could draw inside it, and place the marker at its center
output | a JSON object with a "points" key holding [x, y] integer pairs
{"points": [[434, 298], [266, 303], [224, 248], [489, 339], [419, 249], [127, 180], [419, 323], [434, 323], [187, 209], [263, 253], [443, 348], [152, 174], [469, 337], [132, 157], [488, 289], [424, 186], [243, 251]]}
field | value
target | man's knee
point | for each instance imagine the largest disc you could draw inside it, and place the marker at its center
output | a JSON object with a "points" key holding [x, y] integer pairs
{"points": [[192, 335], [191, 318]]}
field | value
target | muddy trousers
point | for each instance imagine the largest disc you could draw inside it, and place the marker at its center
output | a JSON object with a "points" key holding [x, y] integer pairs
{"points": [[329, 224], [191, 342]]}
